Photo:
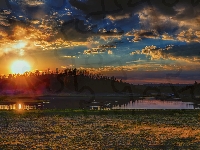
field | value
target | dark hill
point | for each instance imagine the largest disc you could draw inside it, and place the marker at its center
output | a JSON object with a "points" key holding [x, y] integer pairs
{"points": [[81, 81]]}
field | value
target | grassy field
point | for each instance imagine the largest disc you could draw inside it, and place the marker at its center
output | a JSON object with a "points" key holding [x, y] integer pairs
{"points": [[86, 129]]}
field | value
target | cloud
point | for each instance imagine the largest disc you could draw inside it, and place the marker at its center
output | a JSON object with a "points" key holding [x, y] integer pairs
{"points": [[154, 52], [107, 46], [98, 51], [75, 30], [45, 28], [140, 34], [3, 34], [157, 19], [4, 21], [188, 53], [110, 52], [189, 36], [116, 9], [166, 36], [152, 19], [112, 9], [135, 52], [119, 17], [172, 20], [146, 34], [36, 11], [33, 2], [22, 38]]}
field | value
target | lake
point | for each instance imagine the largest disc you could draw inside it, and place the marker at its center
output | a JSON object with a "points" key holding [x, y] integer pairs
{"points": [[155, 104], [106, 102]]}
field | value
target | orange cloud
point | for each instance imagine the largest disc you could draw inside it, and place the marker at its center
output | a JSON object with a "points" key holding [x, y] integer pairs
{"points": [[139, 34]]}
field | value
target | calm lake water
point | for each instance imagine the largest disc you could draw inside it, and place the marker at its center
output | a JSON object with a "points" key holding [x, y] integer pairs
{"points": [[105, 102], [155, 104], [120, 103]]}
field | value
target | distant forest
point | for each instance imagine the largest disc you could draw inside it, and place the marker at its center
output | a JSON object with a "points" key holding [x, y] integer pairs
{"points": [[82, 81]]}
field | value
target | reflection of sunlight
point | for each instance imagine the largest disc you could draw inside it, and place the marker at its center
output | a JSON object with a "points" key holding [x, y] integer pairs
{"points": [[20, 106]]}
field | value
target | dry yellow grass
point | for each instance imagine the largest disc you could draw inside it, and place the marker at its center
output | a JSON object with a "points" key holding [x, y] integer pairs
{"points": [[101, 132]]}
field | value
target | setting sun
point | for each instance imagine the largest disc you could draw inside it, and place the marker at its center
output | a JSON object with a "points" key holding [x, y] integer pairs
{"points": [[20, 66]]}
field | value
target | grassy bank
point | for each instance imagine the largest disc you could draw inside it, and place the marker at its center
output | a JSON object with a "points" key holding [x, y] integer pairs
{"points": [[86, 129]]}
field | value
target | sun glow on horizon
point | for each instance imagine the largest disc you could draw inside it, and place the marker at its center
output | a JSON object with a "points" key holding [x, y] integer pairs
{"points": [[20, 66]]}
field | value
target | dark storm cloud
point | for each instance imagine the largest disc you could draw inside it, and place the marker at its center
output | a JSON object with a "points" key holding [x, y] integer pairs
{"points": [[154, 14], [113, 10], [181, 16], [76, 30], [163, 16], [179, 8], [98, 9], [36, 12]]}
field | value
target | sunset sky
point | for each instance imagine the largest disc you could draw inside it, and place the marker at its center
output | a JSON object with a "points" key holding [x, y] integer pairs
{"points": [[140, 41]]}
